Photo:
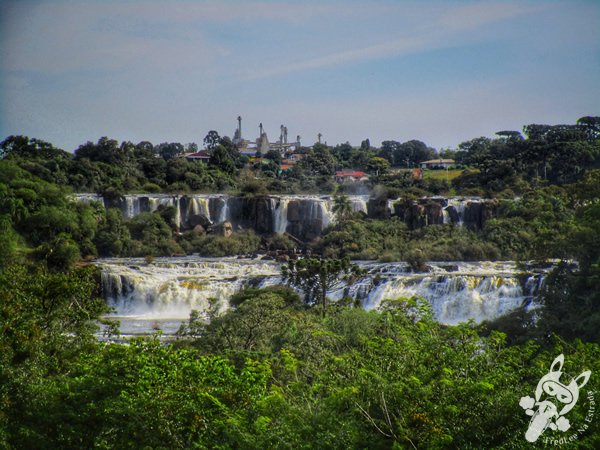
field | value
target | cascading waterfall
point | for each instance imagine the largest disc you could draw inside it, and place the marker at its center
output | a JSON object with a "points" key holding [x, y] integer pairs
{"points": [[304, 216], [199, 205], [164, 293], [132, 207], [89, 198], [280, 210], [224, 211], [359, 203], [324, 213], [459, 205]]}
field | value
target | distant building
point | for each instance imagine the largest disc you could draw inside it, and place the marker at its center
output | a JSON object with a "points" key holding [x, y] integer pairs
{"points": [[437, 164], [295, 157], [350, 175], [202, 156], [248, 153], [261, 143]]}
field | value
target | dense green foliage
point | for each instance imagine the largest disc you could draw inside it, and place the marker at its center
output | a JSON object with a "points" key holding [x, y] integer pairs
{"points": [[554, 170], [507, 165], [269, 373], [273, 372]]}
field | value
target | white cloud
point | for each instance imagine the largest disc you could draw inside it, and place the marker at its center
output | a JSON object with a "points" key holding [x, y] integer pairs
{"points": [[437, 32]]}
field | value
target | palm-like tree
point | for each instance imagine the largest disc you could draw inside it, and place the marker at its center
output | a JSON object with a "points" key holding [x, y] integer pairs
{"points": [[342, 208]]}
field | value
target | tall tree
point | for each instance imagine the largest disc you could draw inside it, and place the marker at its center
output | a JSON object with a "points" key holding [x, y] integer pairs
{"points": [[169, 150], [388, 149], [212, 139], [319, 161], [317, 276], [378, 165], [342, 208], [221, 158], [591, 126]]}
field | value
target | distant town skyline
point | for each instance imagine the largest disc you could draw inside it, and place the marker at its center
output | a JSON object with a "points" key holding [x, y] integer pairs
{"points": [[440, 72]]}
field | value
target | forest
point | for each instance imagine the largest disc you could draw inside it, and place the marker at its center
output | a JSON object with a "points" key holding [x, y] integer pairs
{"points": [[278, 370]]}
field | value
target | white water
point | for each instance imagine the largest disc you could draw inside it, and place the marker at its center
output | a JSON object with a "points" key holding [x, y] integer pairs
{"points": [[164, 293], [312, 213], [280, 207]]}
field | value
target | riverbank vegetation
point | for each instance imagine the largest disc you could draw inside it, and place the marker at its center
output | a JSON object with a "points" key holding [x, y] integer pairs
{"points": [[277, 371], [270, 373], [544, 182]]}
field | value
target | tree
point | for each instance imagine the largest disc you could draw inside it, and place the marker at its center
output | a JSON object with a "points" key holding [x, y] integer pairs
{"points": [[113, 237], [342, 207], [563, 151], [191, 147], [388, 150], [343, 153], [378, 165], [221, 158], [144, 149], [169, 150], [475, 151], [591, 126], [317, 276], [510, 135], [319, 161], [274, 156], [250, 326], [105, 150], [212, 139], [24, 147]]}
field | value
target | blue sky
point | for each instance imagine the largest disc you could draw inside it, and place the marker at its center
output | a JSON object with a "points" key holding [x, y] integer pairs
{"points": [[170, 71]]}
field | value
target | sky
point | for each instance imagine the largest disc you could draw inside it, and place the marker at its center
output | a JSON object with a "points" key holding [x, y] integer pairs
{"points": [[169, 71]]}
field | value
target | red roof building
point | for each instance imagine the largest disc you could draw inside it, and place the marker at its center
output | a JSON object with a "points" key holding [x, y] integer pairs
{"points": [[202, 155], [350, 175]]}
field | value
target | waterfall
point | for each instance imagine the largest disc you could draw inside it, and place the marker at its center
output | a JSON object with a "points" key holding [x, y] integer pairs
{"points": [[459, 205], [169, 288], [359, 203], [446, 216], [165, 292], [131, 206], [224, 213], [325, 213], [305, 216], [458, 298], [88, 198], [280, 211], [390, 204]]}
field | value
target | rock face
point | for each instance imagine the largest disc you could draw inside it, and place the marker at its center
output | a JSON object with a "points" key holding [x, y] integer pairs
{"points": [[222, 229], [199, 219], [251, 213], [377, 208], [477, 213], [307, 219], [453, 214], [436, 211]]}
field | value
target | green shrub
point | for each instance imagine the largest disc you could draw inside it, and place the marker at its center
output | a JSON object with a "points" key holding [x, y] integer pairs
{"points": [[151, 188]]}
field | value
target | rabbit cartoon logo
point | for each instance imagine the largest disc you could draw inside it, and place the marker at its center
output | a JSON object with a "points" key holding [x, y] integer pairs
{"points": [[553, 400]]}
